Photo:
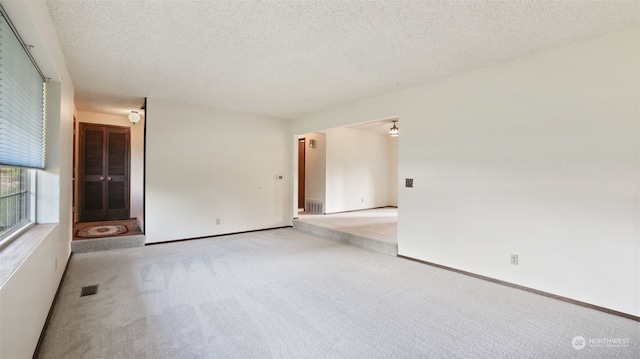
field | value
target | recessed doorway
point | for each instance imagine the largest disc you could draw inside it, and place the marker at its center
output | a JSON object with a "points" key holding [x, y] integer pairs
{"points": [[104, 172]]}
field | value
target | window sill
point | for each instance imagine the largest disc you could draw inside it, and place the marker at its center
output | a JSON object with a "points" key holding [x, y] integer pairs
{"points": [[15, 253], [16, 232]]}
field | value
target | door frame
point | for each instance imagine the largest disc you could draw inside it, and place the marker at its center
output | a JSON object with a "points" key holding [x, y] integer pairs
{"points": [[74, 175], [301, 173], [80, 173]]}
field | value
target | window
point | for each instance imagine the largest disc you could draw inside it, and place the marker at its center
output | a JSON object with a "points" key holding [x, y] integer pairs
{"points": [[15, 200], [22, 131], [22, 102]]}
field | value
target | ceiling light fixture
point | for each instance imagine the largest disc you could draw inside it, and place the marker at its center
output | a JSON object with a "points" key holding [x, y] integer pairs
{"points": [[394, 131], [134, 117]]}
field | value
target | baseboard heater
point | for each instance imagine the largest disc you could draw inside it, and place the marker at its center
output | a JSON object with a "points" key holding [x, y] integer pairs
{"points": [[314, 206]]}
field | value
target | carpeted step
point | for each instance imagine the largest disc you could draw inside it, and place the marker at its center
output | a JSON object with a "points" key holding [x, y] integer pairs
{"points": [[107, 243], [375, 245]]}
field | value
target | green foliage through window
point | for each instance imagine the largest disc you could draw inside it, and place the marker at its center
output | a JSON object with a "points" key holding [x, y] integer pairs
{"points": [[14, 198]]}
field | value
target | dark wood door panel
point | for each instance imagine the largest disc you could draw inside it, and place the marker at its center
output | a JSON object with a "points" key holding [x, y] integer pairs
{"points": [[104, 172], [117, 195], [301, 171], [93, 152], [92, 196], [118, 204], [117, 153], [92, 202], [117, 174]]}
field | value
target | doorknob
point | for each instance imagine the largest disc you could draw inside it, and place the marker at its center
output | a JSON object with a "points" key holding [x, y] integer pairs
{"points": [[101, 178], [109, 178]]}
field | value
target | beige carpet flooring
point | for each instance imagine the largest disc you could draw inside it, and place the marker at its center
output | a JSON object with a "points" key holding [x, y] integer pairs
{"points": [[288, 294], [379, 224]]}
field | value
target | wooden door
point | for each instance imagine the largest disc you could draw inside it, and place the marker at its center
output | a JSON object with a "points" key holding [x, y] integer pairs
{"points": [[301, 171], [104, 172], [74, 212]]}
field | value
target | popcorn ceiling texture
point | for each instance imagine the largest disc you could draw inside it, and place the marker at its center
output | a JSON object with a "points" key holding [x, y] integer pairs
{"points": [[288, 59]]}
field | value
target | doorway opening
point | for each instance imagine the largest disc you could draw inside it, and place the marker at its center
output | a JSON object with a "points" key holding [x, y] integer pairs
{"points": [[350, 183]]}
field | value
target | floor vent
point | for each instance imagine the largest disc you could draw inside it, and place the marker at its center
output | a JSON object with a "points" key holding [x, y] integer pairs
{"points": [[313, 206], [90, 290]]}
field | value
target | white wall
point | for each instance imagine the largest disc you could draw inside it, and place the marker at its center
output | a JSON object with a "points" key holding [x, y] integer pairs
{"points": [[25, 298], [357, 174], [537, 156], [315, 166], [205, 163], [137, 154]]}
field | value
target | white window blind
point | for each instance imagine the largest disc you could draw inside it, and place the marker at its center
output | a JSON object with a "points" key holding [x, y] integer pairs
{"points": [[22, 103]]}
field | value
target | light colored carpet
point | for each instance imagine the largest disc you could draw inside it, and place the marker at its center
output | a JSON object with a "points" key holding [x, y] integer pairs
{"points": [[323, 231], [379, 224], [287, 294]]}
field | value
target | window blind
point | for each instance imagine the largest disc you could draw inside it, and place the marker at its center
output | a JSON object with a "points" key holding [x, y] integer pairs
{"points": [[22, 103]]}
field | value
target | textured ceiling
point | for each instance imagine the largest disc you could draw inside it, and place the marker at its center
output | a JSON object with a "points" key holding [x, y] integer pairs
{"points": [[288, 59]]}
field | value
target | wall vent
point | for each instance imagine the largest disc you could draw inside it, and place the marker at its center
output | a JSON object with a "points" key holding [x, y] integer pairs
{"points": [[313, 206], [90, 290]]}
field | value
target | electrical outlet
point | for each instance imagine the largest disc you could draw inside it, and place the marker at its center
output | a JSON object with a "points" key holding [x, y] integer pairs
{"points": [[362, 200], [408, 182], [217, 221], [514, 259]]}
